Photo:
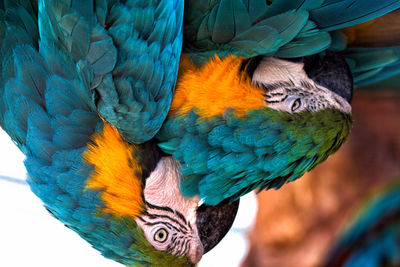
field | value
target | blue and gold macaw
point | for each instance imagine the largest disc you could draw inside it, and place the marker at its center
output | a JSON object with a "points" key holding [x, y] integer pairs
{"points": [[372, 237], [65, 66], [245, 120], [87, 93]]}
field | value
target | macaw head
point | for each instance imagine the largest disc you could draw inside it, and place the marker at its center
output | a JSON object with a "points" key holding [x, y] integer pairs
{"points": [[140, 189], [255, 123], [310, 83], [177, 224]]}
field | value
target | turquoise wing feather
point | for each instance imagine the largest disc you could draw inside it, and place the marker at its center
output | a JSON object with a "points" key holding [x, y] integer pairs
{"points": [[52, 58], [372, 238], [370, 65], [286, 29], [14, 30], [132, 89], [283, 28], [136, 96]]}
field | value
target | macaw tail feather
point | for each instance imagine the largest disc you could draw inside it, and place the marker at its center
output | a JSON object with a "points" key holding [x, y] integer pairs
{"points": [[285, 28]]}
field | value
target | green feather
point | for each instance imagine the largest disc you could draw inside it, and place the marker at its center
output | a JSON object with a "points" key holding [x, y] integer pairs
{"points": [[264, 149]]}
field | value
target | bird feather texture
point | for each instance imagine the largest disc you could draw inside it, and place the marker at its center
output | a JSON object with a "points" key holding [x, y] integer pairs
{"points": [[282, 28], [230, 142], [86, 84], [48, 109]]}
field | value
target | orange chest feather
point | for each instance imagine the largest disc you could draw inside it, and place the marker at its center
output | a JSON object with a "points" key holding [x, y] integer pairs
{"points": [[214, 87], [117, 172]]}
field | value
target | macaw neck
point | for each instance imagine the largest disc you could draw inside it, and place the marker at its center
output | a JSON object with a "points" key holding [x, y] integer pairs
{"points": [[117, 172], [214, 87]]}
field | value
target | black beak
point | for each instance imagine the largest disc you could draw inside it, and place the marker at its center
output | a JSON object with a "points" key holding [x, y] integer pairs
{"points": [[213, 222], [331, 71]]}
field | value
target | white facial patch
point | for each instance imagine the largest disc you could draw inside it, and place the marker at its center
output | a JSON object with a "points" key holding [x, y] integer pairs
{"points": [[163, 189], [289, 88], [169, 222]]}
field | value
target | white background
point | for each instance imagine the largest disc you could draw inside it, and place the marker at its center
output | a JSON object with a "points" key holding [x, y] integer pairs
{"points": [[29, 236]]}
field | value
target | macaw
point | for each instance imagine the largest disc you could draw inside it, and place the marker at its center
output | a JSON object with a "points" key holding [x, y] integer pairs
{"points": [[58, 61], [372, 237], [264, 90], [87, 93]]}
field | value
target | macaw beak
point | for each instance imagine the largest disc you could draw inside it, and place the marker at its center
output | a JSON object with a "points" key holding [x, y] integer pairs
{"points": [[332, 72], [214, 222]]}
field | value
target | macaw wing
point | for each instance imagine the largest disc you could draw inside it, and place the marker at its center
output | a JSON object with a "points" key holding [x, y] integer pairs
{"points": [[283, 28], [21, 18], [43, 112], [372, 49], [136, 97], [242, 28], [47, 108], [130, 52], [370, 65]]}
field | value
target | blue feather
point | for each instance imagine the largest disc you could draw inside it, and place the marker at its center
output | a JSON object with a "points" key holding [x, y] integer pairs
{"points": [[333, 14]]}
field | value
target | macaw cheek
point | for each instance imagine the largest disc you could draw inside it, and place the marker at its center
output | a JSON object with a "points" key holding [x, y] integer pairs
{"points": [[213, 222]]}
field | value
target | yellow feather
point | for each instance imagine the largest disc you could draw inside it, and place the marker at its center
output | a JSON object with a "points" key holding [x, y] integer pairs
{"points": [[214, 87], [116, 172]]}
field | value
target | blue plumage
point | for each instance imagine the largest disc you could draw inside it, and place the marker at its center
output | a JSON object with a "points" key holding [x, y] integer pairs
{"points": [[283, 28], [371, 65], [148, 36], [70, 66], [48, 108], [236, 155]]}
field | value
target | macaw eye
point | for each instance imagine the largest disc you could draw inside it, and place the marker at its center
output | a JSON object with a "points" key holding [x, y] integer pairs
{"points": [[296, 104], [161, 235]]}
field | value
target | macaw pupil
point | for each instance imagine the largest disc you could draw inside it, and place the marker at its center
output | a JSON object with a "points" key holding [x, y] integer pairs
{"points": [[296, 104], [161, 235]]}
